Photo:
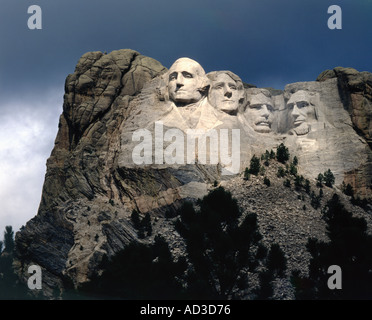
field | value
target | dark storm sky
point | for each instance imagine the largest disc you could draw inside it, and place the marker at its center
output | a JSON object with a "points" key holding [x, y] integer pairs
{"points": [[266, 42]]}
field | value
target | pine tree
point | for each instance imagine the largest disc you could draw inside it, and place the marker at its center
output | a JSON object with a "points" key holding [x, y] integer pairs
{"points": [[247, 175], [219, 248], [329, 178], [287, 183], [295, 161], [307, 186], [276, 261], [10, 287], [315, 200], [146, 224], [276, 266], [282, 153], [267, 181], [262, 170], [349, 191], [135, 219], [298, 182], [293, 170], [267, 155], [9, 239], [272, 154], [319, 180], [255, 166], [281, 172]]}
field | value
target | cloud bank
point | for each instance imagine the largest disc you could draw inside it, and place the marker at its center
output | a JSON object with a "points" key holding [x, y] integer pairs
{"points": [[27, 129]]}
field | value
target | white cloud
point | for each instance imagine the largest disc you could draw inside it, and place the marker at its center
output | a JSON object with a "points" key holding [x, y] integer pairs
{"points": [[28, 127]]}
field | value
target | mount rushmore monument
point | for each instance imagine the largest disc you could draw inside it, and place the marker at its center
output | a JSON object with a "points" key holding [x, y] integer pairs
{"points": [[134, 135]]}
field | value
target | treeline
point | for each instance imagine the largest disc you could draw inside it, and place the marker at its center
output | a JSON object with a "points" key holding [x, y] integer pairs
{"points": [[10, 286], [350, 248]]}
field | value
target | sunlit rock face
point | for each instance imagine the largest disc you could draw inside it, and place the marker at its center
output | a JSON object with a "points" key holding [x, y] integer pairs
{"points": [[259, 110], [186, 81], [226, 92], [129, 139]]}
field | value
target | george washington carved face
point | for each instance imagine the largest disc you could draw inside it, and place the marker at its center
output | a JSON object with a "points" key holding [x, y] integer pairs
{"points": [[186, 81]]}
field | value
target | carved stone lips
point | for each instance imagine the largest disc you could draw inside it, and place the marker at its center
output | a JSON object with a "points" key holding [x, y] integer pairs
{"points": [[298, 122], [263, 123]]}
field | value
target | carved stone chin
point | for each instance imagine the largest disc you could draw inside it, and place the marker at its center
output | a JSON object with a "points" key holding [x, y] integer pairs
{"points": [[302, 129]]}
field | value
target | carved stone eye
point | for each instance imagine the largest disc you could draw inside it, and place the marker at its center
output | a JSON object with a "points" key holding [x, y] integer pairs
{"points": [[302, 104], [187, 75], [173, 76], [255, 106]]}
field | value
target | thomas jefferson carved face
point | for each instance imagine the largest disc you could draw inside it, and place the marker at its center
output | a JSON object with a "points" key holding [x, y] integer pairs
{"points": [[185, 82], [259, 112], [225, 93], [302, 112]]}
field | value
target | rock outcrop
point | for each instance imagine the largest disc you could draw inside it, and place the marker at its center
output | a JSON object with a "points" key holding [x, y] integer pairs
{"points": [[355, 91], [76, 220], [93, 182]]}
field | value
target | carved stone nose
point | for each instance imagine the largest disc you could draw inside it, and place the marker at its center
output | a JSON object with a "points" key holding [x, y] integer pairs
{"points": [[265, 111], [295, 112], [180, 80], [228, 94]]}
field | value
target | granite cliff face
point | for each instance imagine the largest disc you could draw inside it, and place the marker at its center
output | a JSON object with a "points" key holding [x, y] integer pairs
{"points": [[93, 183], [355, 91]]}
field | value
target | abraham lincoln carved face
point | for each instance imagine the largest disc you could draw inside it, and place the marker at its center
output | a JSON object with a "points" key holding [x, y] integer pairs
{"points": [[302, 111]]}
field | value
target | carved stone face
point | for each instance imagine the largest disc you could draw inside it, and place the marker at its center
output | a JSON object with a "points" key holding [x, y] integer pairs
{"points": [[225, 93], [302, 112], [259, 113], [186, 79]]}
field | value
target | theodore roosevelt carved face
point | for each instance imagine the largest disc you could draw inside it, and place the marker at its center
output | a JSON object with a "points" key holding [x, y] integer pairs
{"points": [[302, 111], [259, 110], [186, 82], [226, 92]]}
